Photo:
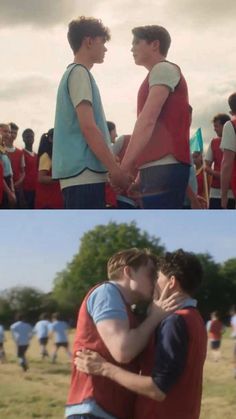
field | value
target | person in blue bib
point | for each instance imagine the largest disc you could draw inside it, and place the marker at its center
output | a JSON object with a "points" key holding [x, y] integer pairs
{"points": [[81, 157]]}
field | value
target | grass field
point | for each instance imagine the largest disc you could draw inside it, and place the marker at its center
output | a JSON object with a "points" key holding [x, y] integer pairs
{"points": [[41, 392]]}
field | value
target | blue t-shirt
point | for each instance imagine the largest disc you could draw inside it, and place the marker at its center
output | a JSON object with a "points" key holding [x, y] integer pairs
{"points": [[59, 328], [106, 302], [21, 332], [1, 334], [7, 169], [42, 328], [171, 349]]}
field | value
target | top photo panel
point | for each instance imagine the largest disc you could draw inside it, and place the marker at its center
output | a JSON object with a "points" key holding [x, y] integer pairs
{"points": [[102, 109]]}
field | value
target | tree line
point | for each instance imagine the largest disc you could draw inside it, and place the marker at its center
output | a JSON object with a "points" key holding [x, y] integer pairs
{"points": [[88, 267]]}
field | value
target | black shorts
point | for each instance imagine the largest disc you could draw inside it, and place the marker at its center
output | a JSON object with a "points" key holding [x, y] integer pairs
{"points": [[43, 341], [21, 350], [63, 344], [215, 344]]}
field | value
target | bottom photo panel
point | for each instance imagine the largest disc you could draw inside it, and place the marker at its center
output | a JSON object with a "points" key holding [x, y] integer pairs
{"points": [[118, 314]]}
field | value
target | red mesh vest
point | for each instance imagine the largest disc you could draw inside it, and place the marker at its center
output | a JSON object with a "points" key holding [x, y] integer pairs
{"points": [[233, 179], [31, 171], [48, 195], [215, 331], [111, 397], [171, 132], [217, 159], [184, 400], [16, 158]]}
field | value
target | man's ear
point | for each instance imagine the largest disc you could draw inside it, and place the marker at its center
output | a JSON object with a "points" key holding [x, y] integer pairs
{"points": [[88, 41], [156, 45], [172, 282], [127, 272]]}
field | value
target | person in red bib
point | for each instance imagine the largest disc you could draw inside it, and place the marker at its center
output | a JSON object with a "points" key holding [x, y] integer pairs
{"points": [[31, 168], [213, 161], [170, 385], [228, 146], [159, 145], [215, 329], [48, 192], [107, 324]]}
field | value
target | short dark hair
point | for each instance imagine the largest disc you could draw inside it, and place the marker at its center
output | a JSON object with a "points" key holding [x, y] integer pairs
{"points": [[27, 131], [221, 117], [185, 266], [135, 258], [85, 27], [13, 126], [152, 33], [232, 102], [110, 125]]}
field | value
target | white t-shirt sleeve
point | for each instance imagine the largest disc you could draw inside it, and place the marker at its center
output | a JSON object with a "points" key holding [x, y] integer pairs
{"points": [[209, 154], [79, 85], [228, 141], [118, 144], [165, 74]]}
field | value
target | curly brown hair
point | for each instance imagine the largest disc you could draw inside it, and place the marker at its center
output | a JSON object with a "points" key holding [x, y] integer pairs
{"points": [[85, 27]]}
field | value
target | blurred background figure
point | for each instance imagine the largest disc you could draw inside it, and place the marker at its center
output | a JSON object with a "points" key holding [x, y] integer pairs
{"points": [[48, 192], [2, 351], [21, 332], [42, 329], [31, 168], [59, 329], [215, 329]]}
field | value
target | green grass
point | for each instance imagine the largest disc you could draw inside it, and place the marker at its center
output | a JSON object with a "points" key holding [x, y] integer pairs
{"points": [[42, 391]]}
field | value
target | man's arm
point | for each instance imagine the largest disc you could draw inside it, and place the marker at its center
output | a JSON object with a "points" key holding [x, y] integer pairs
{"points": [[92, 363], [145, 124], [210, 171], [124, 343], [94, 138], [226, 173]]}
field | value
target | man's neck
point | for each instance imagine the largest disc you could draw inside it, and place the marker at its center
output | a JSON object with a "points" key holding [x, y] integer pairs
{"points": [[83, 59], [153, 61]]}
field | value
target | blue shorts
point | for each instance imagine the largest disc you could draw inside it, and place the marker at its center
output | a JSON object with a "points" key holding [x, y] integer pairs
{"points": [[164, 186]]}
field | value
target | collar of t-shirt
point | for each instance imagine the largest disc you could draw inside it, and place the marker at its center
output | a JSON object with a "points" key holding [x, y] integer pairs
{"points": [[10, 149], [188, 302]]}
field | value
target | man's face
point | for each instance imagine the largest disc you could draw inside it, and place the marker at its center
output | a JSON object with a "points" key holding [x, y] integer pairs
{"points": [[197, 158], [14, 133], [218, 127], [98, 49], [143, 281], [6, 134], [29, 138], [162, 281], [141, 50]]}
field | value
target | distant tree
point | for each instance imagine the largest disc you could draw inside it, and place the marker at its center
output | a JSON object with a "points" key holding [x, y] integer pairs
{"points": [[218, 288], [89, 266], [28, 300]]}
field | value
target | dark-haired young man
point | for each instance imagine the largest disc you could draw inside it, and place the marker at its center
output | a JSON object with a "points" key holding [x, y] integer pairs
{"points": [[171, 379], [213, 161], [107, 324], [31, 168], [159, 145], [81, 154], [228, 145]]}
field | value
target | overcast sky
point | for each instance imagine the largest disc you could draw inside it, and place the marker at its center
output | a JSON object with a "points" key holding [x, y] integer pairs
{"points": [[35, 245], [35, 52]]}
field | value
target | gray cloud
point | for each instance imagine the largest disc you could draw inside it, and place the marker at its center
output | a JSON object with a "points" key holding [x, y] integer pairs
{"points": [[27, 86], [202, 13], [43, 13]]}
